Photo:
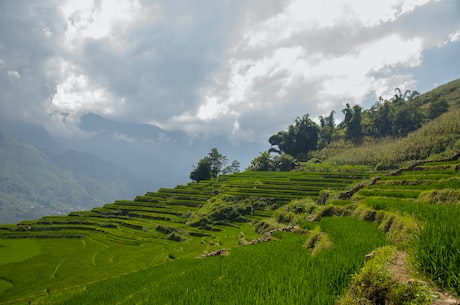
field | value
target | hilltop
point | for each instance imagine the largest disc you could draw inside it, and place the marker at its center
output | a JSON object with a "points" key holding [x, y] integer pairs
{"points": [[373, 221]]}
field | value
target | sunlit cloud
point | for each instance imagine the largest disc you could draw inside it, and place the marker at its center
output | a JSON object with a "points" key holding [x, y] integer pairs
{"points": [[102, 19], [268, 70], [235, 69], [76, 94]]}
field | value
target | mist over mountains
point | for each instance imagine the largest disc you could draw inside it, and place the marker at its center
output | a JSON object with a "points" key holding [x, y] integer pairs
{"points": [[46, 175]]}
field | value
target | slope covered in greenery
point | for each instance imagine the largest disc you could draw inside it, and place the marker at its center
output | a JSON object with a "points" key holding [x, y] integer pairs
{"points": [[148, 245], [324, 233], [34, 183]]}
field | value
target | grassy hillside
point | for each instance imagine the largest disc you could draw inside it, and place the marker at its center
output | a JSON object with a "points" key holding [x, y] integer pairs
{"points": [[438, 136], [34, 183], [146, 249], [337, 232]]}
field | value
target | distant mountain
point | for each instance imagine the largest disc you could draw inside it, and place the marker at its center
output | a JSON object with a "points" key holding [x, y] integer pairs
{"points": [[94, 123], [34, 183], [164, 157], [161, 157], [34, 134]]}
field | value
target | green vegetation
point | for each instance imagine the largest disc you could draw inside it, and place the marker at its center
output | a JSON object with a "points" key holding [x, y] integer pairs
{"points": [[406, 127], [436, 245], [18, 250], [343, 230], [34, 184], [212, 166], [375, 284], [248, 275]]}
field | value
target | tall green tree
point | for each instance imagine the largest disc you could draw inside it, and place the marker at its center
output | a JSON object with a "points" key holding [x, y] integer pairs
{"points": [[406, 118], [212, 166], [202, 171], [262, 162], [218, 161], [348, 113], [326, 130], [382, 120], [353, 122], [300, 138]]}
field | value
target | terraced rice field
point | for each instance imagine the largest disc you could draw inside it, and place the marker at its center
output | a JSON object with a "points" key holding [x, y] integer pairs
{"points": [[143, 251], [135, 221], [130, 235], [430, 193]]}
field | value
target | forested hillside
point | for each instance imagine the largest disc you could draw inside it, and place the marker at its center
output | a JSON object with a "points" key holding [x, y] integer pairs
{"points": [[35, 183], [406, 127]]}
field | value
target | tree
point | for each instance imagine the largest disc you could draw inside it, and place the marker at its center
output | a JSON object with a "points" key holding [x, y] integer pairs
{"points": [[202, 171], [354, 125], [382, 120], [283, 162], [348, 112], [406, 118], [232, 168], [217, 161], [298, 140], [212, 166], [326, 131], [261, 163]]}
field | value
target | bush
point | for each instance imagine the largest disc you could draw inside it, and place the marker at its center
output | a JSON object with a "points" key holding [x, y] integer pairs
{"points": [[176, 237], [164, 229], [374, 284], [284, 217], [295, 211]]}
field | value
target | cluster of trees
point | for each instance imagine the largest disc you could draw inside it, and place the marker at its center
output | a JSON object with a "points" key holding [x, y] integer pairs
{"points": [[298, 140], [395, 117], [267, 162], [212, 166]]}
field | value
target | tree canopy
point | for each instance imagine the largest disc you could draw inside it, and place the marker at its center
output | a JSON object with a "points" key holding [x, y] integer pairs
{"points": [[396, 117], [212, 165], [300, 138]]}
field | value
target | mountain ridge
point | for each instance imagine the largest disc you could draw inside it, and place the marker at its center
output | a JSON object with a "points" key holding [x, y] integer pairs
{"points": [[36, 183]]}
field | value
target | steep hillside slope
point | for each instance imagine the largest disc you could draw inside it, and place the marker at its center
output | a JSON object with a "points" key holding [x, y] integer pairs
{"points": [[34, 183], [437, 136]]}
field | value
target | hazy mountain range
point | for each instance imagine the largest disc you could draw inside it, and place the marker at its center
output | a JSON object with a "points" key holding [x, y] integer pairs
{"points": [[45, 175]]}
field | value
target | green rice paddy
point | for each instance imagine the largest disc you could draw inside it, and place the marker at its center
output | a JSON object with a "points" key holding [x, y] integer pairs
{"points": [[143, 251]]}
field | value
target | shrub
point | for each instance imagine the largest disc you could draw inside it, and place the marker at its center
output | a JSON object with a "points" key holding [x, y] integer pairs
{"points": [[296, 210], [176, 237], [164, 229], [284, 216], [374, 284], [440, 196]]}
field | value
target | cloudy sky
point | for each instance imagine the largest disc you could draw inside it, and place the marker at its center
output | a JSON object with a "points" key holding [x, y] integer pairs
{"points": [[244, 69]]}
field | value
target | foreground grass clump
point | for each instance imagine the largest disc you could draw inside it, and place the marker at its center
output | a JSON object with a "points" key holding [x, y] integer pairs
{"points": [[281, 271], [375, 284], [437, 249], [436, 245]]}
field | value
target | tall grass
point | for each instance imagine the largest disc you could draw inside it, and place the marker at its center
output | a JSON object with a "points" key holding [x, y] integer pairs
{"points": [[277, 272], [437, 250], [437, 246]]}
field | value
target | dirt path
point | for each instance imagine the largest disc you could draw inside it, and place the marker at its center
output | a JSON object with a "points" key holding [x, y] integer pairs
{"points": [[400, 271]]}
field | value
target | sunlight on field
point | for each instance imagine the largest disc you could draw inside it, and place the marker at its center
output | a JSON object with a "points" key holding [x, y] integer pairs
{"points": [[4, 285], [18, 250]]}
